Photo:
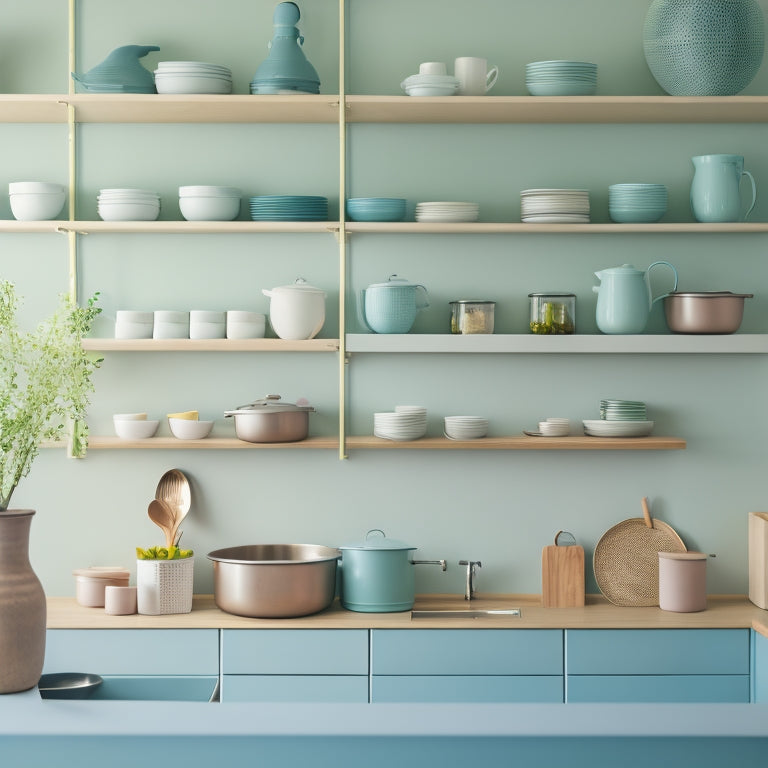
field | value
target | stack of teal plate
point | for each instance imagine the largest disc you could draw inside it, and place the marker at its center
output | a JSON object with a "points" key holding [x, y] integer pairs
{"points": [[619, 418], [289, 208], [376, 208], [622, 410], [637, 202], [561, 78]]}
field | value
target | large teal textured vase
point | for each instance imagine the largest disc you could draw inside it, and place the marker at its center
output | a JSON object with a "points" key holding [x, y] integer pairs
{"points": [[704, 47]]}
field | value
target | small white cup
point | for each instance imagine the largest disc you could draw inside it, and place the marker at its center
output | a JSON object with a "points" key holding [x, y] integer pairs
{"points": [[130, 324], [433, 68], [170, 324], [204, 324], [245, 325], [119, 601], [475, 79]]}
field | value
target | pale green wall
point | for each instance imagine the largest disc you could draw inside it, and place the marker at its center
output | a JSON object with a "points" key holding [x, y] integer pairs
{"points": [[501, 508]]}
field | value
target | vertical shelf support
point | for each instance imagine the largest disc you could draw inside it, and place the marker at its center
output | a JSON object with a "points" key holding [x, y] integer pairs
{"points": [[342, 234]]}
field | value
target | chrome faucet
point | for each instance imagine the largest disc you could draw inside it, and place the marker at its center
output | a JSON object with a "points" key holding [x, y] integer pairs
{"points": [[469, 591]]}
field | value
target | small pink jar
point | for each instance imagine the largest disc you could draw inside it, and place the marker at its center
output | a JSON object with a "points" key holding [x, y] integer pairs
{"points": [[90, 583], [682, 581]]}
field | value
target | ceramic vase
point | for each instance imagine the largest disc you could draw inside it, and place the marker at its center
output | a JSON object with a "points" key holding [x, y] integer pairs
{"points": [[22, 606], [704, 47]]}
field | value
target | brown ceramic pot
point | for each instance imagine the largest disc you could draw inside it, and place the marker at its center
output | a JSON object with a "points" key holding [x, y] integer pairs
{"points": [[22, 606]]}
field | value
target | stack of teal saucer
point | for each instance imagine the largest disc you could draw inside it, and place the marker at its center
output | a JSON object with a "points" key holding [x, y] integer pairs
{"points": [[641, 203], [376, 208], [289, 208], [561, 78]]}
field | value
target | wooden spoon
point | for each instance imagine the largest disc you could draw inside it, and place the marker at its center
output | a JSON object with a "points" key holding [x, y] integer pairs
{"points": [[174, 490], [162, 515]]}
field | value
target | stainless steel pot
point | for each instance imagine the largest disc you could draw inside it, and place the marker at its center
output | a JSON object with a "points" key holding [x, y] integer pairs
{"points": [[704, 311], [270, 421], [274, 580]]}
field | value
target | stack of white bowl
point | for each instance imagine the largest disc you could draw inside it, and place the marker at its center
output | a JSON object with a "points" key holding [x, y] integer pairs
{"points": [[407, 422], [192, 77], [555, 206], [465, 427], [447, 211], [206, 203], [35, 200], [128, 204]]}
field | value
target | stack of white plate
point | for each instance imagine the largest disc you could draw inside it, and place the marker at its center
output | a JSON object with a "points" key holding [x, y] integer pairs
{"points": [[192, 77], [442, 211], [622, 410], [430, 85], [555, 426], [465, 427], [561, 78], [407, 422], [620, 418], [128, 204], [555, 206]]}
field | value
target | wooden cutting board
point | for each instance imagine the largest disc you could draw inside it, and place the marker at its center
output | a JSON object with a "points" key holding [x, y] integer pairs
{"points": [[562, 575]]}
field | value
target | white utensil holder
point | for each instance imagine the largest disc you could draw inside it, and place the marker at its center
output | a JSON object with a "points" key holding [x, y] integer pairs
{"points": [[164, 586], [758, 559]]}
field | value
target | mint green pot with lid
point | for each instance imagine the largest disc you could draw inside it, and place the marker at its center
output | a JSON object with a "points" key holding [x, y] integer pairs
{"points": [[391, 307], [377, 574]]}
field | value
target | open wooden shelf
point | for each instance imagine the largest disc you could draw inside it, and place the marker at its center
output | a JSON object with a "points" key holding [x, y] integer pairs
{"points": [[194, 227], [210, 345], [520, 228], [522, 443], [530, 343], [324, 108]]}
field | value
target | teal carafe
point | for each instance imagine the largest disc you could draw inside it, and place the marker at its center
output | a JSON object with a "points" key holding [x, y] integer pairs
{"points": [[624, 298], [715, 190], [392, 307], [286, 67]]}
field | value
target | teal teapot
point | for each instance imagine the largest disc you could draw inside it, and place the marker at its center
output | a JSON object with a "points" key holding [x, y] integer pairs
{"points": [[392, 307], [624, 298]]}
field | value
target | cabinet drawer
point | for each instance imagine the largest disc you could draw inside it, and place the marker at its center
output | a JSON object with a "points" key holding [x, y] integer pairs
{"points": [[468, 688], [133, 651], [657, 652], [295, 651], [730, 689], [309, 688], [467, 652]]}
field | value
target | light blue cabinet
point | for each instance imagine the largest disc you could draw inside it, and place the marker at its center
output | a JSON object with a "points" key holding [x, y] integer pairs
{"points": [[485, 665], [139, 664], [295, 665], [674, 665], [759, 668]]}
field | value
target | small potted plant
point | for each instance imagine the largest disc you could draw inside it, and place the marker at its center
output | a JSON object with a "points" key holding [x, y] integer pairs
{"points": [[45, 382]]}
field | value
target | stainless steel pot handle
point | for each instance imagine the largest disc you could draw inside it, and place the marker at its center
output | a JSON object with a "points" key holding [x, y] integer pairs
{"points": [[441, 563]]}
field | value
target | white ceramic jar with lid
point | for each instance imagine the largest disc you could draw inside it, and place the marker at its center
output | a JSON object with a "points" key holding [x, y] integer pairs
{"points": [[170, 324], [296, 311], [91, 583]]}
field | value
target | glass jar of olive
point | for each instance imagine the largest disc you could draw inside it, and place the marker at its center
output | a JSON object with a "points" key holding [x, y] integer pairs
{"points": [[553, 313]]}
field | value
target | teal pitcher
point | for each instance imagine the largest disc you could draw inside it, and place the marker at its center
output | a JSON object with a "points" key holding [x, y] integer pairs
{"points": [[715, 190], [624, 298]]}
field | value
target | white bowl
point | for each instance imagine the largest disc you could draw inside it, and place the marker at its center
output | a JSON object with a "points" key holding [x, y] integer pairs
{"points": [[213, 208], [25, 187], [37, 206], [129, 211], [245, 325], [190, 429], [135, 429], [430, 90], [177, 83]]}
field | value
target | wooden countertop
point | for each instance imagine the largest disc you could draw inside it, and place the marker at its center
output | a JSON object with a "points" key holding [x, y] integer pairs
{"points": [[723, 611]]}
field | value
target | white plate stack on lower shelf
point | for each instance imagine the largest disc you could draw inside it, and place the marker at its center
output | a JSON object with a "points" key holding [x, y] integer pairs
{"points": [[620, 418], [447, 211], [407, 422], [551, 206]]}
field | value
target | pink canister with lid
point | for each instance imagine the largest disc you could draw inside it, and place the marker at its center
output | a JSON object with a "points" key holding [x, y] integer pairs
{"points": [[682, 581]]}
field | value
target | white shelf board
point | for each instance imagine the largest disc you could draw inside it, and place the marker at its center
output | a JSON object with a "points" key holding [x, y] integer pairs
{"points": [[195, 227], [747, 343]]}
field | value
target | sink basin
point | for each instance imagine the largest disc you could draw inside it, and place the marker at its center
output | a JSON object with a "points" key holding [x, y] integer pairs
{"points": [[481, 613]]}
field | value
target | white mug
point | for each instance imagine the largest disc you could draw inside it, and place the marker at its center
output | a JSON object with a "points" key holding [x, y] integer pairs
{"points": [[432, 68], [475, 79]]}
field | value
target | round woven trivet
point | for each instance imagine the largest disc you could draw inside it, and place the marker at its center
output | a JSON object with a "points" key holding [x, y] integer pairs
{"points": [[626, 560]]}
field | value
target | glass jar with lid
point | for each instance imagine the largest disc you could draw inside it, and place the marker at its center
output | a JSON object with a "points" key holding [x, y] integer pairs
{"points": [[472, 316], [553, 313]]}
